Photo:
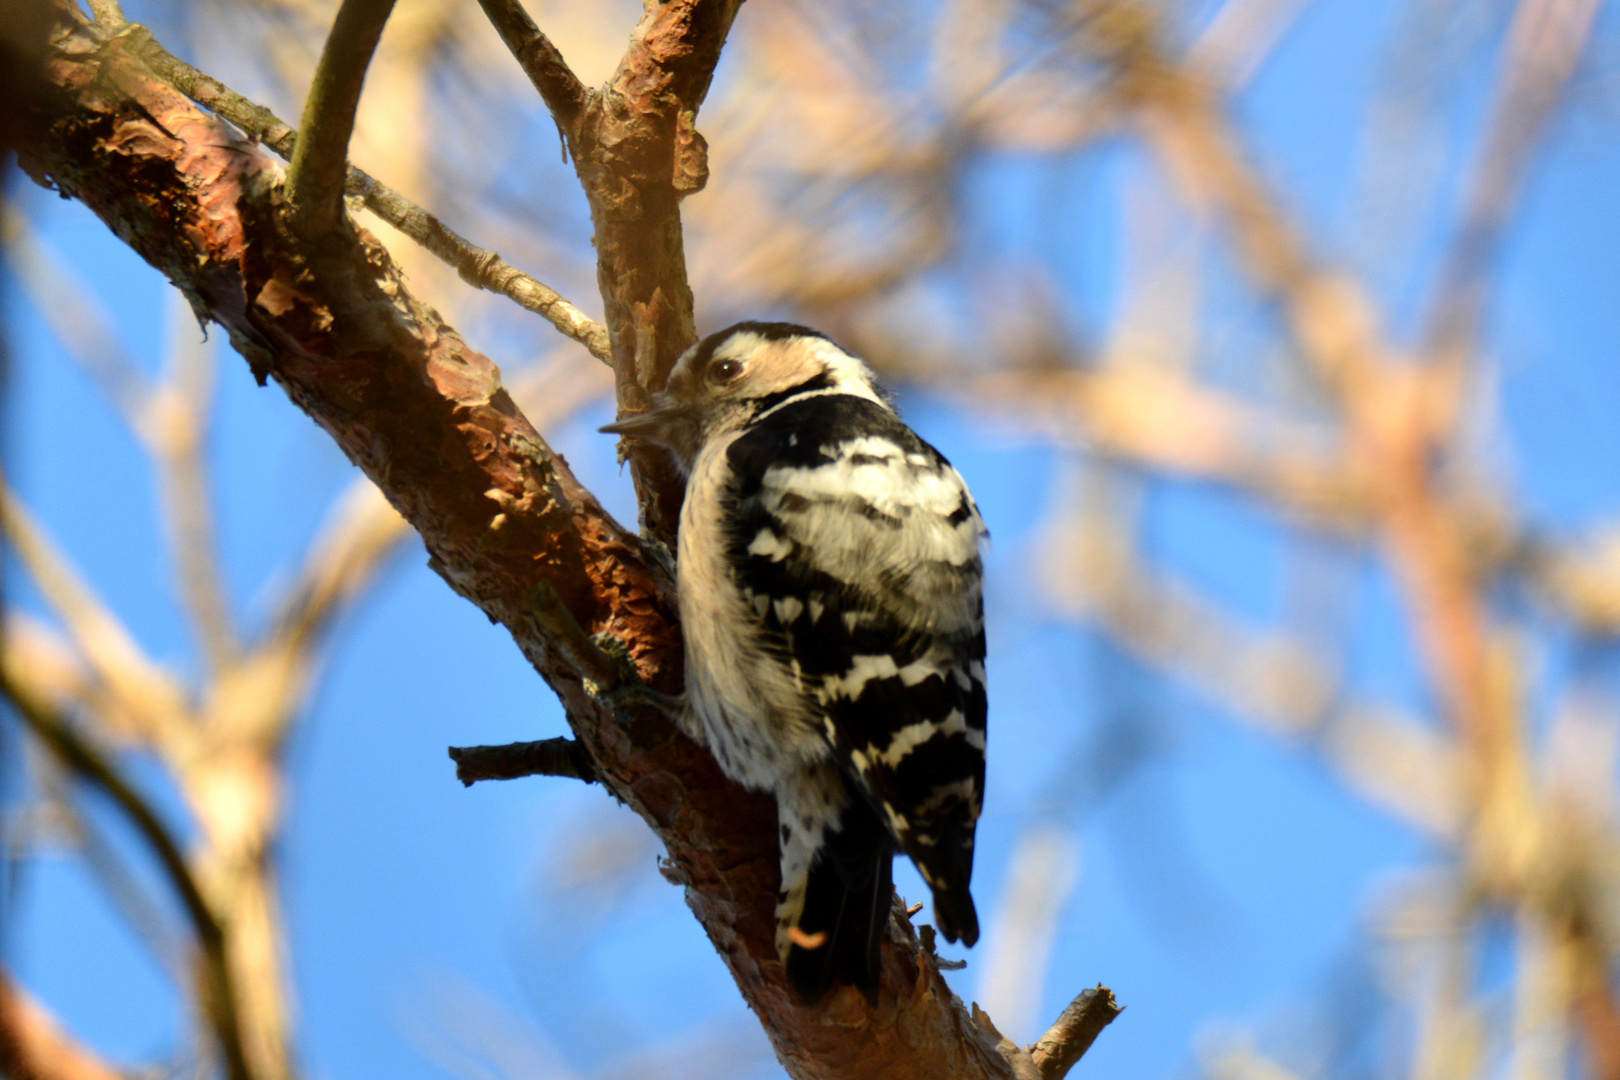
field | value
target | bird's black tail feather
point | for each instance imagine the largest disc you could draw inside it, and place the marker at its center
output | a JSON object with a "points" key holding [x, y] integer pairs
{"points": [[957, 919], [947, 867], [846, 909]]}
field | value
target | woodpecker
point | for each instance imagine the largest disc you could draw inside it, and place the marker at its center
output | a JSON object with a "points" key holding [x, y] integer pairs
{"points": [[830, 586]]}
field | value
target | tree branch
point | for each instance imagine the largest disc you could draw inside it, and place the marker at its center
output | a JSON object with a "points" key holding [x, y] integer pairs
{"points": [[153, 698], [218, 984], [481, 267], [320, 163], [34, 1047], [477, 266], [1545, 44], [512, 761], [1075, 1029], [638, 153], [108, 13], [540, 60], [425, 417]]}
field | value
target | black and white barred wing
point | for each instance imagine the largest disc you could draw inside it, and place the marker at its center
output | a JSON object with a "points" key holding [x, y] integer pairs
{"points": [[859, 546]]}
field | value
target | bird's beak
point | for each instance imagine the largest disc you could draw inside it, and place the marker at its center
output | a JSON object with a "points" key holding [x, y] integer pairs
{"points": [[659, 424], [646, 425]]}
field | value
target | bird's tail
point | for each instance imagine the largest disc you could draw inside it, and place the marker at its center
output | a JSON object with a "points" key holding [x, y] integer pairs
{"points": [[845, 911], [956, 916], [947, 867]]}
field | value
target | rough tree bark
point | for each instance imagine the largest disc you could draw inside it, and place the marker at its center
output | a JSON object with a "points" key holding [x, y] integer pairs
{"points": [[426, 418]]}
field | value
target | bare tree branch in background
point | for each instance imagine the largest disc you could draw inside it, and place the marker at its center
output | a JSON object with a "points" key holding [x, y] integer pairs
{"points": [[835, 178], [33, 1046], [218, 984]]}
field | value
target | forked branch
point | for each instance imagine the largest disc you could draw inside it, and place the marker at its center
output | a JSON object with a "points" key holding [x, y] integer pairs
{"points": [[479, 267]]}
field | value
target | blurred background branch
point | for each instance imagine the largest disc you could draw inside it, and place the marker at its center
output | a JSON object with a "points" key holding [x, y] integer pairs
{"points": [[1341, 382]]}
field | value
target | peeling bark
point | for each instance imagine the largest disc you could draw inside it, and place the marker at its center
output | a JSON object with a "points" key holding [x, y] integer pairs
{"points": [[425, 417], [638, 154]]}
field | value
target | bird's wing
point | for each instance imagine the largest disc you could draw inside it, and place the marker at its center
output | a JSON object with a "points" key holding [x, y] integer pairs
{"points": [[858, 549]]}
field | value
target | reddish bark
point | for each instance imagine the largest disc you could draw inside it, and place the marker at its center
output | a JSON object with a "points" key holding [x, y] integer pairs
{"points": [[638, 153], [427, 420], [33, 1047]]}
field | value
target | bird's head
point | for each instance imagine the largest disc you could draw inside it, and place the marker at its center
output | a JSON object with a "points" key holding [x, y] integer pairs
{"points": [[735, 376]]}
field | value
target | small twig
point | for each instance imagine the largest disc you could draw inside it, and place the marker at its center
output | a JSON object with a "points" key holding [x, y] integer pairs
{"points": [[108, 13], [930, 945], [548, 757], [479, 267], [212, 94], [559, 87], [1077, 1027], [219, 991], [320, 162]]}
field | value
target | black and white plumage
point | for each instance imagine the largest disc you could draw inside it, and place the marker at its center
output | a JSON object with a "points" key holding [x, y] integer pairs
{"points": [[830, 594]]}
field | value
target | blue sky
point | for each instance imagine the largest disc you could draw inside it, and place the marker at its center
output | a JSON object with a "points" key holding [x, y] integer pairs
{"points": [[436, 931]]}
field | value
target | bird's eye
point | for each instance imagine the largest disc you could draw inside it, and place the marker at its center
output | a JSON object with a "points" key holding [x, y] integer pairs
{"points": [[724, 371]]}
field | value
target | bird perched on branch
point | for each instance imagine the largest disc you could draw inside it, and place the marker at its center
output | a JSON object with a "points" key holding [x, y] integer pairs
{"points": [[831, 601]]}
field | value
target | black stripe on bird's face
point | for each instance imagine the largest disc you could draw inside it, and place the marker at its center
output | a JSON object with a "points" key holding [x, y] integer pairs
{"points": [[823, 381]]}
